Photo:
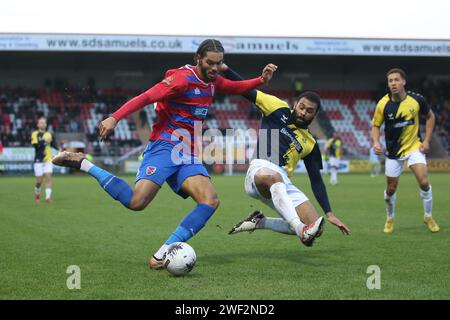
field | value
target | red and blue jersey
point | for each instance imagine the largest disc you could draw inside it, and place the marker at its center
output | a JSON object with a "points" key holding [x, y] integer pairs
{"points": [[182, 110], [182, 99]]}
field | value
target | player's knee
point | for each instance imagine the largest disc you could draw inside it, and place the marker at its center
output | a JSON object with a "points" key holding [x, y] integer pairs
{"points": [[212, 201], [391, 188], [137, 205], [424, 184], [266, 181]]}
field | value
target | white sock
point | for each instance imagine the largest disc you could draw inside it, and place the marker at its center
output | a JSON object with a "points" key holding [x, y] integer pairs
{"points": [[86, 165], [284, 206], [275, 224], [427, 198], [37, 191], [160, 253], [48, 193], [390, 204], [333, 178]]}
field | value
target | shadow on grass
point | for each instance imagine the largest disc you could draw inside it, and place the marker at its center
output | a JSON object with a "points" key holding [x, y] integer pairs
{"points": [[302, 256]]}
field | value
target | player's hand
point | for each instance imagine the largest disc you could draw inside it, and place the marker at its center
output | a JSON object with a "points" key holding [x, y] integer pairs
{"points": [[106, 128], [267, 73], [338, 223], [223, 67], [377, 148], [425, 147]]}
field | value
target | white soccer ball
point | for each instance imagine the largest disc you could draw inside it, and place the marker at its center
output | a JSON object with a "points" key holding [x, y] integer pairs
{"points": [[180, 258]]}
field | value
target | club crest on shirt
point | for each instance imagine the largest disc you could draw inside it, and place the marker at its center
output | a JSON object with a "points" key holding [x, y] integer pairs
{"points": [[150, 170], [197, 91], [168, 80]]}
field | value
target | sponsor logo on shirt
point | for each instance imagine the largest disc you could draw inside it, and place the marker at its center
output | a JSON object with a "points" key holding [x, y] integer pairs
{"points": [[294, 141], [168, 80], [403, 124], [200, 112]]}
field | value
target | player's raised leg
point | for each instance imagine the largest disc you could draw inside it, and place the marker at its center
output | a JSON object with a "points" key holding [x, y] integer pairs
{"points": [[272, 190], [201, 190], [257, 220], [117, 188], [426, 193]]}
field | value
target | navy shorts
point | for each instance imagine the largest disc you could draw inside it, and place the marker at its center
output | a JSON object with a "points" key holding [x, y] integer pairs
{"points": [[160, 163]]}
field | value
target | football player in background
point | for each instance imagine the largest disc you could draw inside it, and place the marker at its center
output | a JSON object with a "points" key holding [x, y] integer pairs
{"points": [[42, 141], [399, 111], [333, 149], [374, 163]]}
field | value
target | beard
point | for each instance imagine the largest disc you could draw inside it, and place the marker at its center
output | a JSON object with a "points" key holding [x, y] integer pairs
{"points": [[204, 73], [300, 123]]}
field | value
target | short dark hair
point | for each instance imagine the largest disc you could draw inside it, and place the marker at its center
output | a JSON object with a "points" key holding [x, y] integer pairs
{"points": [[397, 70], [208, 45], [311, 96]]}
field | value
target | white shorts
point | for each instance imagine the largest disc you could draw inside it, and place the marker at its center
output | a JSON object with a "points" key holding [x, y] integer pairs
{"points": [[41, 168], [333, 162], [294, 193], [394, 167]]}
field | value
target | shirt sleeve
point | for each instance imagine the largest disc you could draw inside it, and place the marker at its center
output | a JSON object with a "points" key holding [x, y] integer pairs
{"points": [[313, 164], [268, 103], [378, 117], [424, 106], [53, 141], [233, 75], [34, 139], [236, 87], [171, 87]]}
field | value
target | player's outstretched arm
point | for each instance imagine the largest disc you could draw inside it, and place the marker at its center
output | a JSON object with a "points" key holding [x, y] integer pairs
{"points": [[239, 87], [313, 164], [233, 75], [170, 87]]}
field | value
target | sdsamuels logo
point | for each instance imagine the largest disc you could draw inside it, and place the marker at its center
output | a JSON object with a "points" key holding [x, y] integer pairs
{"points": [[150, 170]]}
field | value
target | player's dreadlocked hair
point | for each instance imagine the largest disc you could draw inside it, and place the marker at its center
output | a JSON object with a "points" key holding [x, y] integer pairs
{"points": [[208, 45]]}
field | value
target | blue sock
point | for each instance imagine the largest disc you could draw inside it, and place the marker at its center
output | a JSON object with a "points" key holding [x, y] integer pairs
{"points": [[115, 187], [191, 224]]}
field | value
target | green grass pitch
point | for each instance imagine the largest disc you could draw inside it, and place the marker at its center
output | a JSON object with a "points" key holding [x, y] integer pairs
{"points": [[110, 244]]}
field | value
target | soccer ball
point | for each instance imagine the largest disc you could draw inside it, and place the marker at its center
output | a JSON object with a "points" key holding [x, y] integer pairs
{"points": [[180, 258]]}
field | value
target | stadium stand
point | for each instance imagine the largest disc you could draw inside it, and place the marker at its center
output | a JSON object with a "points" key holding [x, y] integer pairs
{"points": [[79, 110]]}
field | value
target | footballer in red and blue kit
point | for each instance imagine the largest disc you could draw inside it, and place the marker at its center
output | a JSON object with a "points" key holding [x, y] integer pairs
{"points": [[182, 99]]}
